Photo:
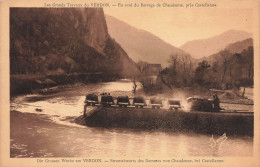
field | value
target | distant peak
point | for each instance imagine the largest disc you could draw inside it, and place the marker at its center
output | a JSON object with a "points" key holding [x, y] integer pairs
{"points": [[232, 31], [204, 47]]}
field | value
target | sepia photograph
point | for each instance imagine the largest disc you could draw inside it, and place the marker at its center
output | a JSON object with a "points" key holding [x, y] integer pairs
{"points": [[131, 84]]}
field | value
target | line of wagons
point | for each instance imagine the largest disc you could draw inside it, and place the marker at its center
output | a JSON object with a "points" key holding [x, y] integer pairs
{"points": [[123, 101], [195, 103]]}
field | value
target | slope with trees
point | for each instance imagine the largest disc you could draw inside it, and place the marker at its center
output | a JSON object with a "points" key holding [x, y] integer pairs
{"points": [[47, 41], [230, 68]]}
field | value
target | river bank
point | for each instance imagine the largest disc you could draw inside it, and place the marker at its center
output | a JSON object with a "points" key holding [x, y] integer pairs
{"points": [[36, 83]]}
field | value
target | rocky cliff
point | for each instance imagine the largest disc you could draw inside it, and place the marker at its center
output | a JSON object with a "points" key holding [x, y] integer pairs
{"points": [[54, 41]]}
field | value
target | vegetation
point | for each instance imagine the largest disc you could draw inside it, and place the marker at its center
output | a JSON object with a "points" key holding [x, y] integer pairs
{"points": [[230, 71], [148, 82], [63, 46], [179, 71], [63, 41]]}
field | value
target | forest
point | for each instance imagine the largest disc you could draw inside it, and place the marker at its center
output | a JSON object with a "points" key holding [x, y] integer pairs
{"points": [[228, 71]]}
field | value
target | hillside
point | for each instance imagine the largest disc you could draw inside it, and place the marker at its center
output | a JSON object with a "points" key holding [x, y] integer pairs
{"points": [[141, 45], [58, 41], [237, 47], [206, 47]]}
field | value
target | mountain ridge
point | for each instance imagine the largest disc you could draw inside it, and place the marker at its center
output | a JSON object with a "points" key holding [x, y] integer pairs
{"points": [[141, 45], [205, 47], [232, 48]]}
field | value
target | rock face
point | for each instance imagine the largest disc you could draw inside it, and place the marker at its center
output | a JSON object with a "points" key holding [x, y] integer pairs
{"points": [[97, 34], [206, 47], [56, 41], [141, 45]]}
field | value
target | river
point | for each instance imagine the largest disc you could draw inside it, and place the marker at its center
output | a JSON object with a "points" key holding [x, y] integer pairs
{"points": [[52, 132]]}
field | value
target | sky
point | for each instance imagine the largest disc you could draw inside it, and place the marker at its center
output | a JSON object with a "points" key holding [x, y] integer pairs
{"points": [[179, 25]]}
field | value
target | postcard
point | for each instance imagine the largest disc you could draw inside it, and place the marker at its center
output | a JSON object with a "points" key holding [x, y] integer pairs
{"points": [[129, 83]]}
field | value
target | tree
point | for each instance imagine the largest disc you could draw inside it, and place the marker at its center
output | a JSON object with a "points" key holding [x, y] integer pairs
{"points": [[236, 67], [225, 55], [201, 71], [163, 76], [141, 65], [135, 85], [186, 69], [248, 59], [173, 62], [179, 71]]}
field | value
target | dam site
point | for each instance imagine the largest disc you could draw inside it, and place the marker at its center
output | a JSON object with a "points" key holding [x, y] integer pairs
{"points": [[57, 117]]}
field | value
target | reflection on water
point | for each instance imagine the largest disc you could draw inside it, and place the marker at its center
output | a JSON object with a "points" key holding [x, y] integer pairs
{"points": [[41, 136], [99, 142]]}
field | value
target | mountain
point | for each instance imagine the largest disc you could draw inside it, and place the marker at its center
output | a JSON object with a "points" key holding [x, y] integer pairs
{"points": [[139, 44], [206, 47], [239, 46], [231, 49], [64, 40]]}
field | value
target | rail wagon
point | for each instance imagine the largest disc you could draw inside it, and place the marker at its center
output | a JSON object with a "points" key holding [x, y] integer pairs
{"points": [[139, 102], [107, 100], [174, 104], [156, 103], [91, 99], [123, 101]]}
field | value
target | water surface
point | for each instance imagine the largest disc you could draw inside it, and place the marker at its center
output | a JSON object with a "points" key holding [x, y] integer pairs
{"points": [[53, 133]]}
